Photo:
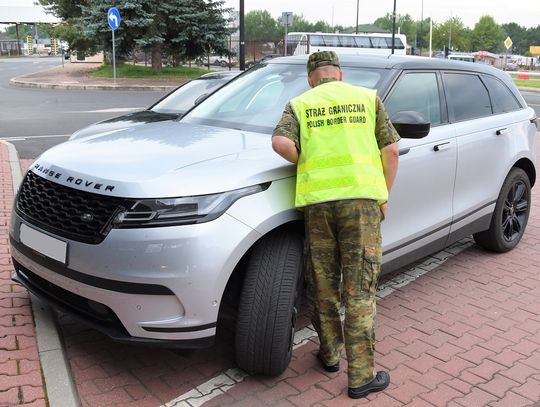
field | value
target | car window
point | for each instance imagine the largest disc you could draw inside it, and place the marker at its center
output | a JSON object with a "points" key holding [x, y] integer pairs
{"points": [[255, 100], [418, 92], [502, 98], [467, 96], [183, 98]]}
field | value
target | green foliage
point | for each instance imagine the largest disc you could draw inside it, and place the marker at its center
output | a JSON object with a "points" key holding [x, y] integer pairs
{"points": [[26, 29], [179, 29], [487, 35], [260, 26], [453, 34]]}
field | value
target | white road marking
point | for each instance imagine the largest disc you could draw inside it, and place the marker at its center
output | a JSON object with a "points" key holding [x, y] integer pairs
{"points": [[225, 381]]}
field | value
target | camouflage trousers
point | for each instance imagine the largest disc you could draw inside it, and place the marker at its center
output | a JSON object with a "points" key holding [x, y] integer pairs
{"points": [[343, 258]]}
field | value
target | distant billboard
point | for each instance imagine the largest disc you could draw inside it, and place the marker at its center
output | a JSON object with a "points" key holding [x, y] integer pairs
{"points": [[534, 50]]}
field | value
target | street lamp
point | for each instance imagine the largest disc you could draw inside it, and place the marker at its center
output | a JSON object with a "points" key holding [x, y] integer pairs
{"points": [[394, 27], [242, 53], [357, 6]]}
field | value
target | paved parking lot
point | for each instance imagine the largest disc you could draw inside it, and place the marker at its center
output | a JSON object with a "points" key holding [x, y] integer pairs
{"points": [[461, 328]]}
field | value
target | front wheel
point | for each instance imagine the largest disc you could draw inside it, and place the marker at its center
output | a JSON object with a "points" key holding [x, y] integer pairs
{"points": [[511, 214], [269, 304]]}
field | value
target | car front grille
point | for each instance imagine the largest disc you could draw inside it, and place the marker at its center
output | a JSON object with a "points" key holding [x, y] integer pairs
{"points": [[67, 212]]}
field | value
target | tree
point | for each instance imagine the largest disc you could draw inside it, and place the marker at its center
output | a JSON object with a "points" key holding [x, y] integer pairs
{"points": [[183, 28], [487, 35], [260, 26], [453, 34], [518, 34]]}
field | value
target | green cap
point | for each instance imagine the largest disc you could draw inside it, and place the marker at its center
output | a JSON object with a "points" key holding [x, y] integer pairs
{"points": [[322, 58]]}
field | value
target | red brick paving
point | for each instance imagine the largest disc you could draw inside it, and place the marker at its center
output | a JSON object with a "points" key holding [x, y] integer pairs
{"points": [[465, 334], [21, 383]]}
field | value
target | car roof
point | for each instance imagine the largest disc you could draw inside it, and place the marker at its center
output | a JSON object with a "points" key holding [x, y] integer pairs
{"points": [[399, 62]]}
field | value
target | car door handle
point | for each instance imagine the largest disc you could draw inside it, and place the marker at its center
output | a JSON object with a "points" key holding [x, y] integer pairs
{"points": [[443, 146], [502, 131], [404, 151]]}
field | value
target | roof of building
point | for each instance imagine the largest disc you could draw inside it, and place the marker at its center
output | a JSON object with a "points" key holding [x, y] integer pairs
{"points": [[28, 15]]}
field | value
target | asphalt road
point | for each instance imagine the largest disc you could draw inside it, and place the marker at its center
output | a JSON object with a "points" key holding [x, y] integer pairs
{"points": [[37, 119], [46, 117]]}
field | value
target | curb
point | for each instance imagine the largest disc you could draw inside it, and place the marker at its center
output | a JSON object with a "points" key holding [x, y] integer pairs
{"points": [[27, 84], [59, 388]]}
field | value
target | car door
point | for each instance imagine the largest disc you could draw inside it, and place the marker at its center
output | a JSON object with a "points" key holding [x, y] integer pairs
{"points": [[484, 112], [420, 205]]}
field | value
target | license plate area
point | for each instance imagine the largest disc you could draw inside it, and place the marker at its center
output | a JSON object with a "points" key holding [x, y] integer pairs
{"points": [[47, 245]]}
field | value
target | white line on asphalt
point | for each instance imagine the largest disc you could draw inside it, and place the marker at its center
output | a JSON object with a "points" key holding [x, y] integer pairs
{"points": [[32, 137], [225, 381]]}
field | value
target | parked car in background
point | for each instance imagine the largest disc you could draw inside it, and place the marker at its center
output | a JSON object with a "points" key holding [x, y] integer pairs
{"points": [[147, 232], [217, 60], [170, 107]]}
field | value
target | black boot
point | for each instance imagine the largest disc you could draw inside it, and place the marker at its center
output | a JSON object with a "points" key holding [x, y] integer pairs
{"points": [[381, 382]]}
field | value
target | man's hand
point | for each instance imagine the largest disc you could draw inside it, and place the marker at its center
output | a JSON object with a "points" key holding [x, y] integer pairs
{"points": [[383, 208]]}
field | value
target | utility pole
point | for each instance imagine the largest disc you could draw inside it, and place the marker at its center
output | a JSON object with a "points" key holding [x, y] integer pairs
{"points": [[242, 43], [357, 7], [394, 28]]}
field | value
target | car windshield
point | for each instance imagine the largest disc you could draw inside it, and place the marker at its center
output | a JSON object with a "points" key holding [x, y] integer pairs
{"points": [[183, 98], [255, 100]]}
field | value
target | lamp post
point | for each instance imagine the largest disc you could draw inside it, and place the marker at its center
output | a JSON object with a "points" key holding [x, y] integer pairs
{"points": [[394, 27], [242, 53], [357, 7], [421, 31]]}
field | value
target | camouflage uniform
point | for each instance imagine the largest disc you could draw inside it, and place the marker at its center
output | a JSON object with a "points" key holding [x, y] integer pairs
{"points": [[342, 261]]}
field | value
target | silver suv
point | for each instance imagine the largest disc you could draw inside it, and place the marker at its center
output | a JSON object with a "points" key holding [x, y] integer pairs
{"points": [[147, 232]]}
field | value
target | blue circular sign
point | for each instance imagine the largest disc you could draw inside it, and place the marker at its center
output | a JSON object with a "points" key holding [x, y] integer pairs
{"points": [[113, 18]]}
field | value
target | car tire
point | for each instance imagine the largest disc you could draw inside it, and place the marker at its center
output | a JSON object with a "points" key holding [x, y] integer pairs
{"points": [[269, 304], [511, 214]]}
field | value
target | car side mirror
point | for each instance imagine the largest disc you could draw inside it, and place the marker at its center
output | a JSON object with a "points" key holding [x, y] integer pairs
{"points": [[410, 124]]}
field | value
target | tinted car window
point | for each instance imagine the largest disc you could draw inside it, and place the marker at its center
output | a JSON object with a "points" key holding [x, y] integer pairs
{"points": [[467, 96], [503, 100], [418, 92]]}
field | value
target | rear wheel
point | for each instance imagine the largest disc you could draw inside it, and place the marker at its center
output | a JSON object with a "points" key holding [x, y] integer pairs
{"points": [[511, 214], [269, 304]]}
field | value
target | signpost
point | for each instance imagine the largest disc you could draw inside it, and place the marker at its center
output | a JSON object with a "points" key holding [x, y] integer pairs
{"points": [[113, 18], [286, 20], [507, 43]]}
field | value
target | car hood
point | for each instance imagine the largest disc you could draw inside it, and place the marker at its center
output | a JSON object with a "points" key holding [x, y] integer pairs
{"points": [[123, 122], [166, 159]]}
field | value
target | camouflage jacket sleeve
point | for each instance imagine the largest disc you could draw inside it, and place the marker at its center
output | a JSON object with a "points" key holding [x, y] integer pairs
{"points": [[288, 126], [385, 133]]}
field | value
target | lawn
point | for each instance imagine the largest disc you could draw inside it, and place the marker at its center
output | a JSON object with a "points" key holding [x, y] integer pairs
{"points": [[138, 71], [528, 83]]}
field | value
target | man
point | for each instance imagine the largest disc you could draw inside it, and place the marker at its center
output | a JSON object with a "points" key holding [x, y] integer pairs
{"points": [[345, 149]]}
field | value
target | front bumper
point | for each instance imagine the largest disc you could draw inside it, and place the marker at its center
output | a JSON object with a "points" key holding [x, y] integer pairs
{"points": [[156, 285]]}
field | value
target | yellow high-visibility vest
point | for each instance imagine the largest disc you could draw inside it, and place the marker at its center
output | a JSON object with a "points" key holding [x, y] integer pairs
{"points": [[339, 157]]}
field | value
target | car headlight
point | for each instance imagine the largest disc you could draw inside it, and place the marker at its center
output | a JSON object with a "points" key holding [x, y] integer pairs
{"points": [[183, 210]]}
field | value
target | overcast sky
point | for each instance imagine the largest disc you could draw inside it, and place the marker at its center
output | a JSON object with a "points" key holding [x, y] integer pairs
{"points": [[343, 12]]}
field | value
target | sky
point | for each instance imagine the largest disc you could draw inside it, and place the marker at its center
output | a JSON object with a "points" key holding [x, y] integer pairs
{"points": [[343, 12]]}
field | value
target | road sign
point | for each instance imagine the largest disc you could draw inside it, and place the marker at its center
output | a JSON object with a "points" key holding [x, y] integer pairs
{"points": [[508, 42], [113, 18], [287, 18]]}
